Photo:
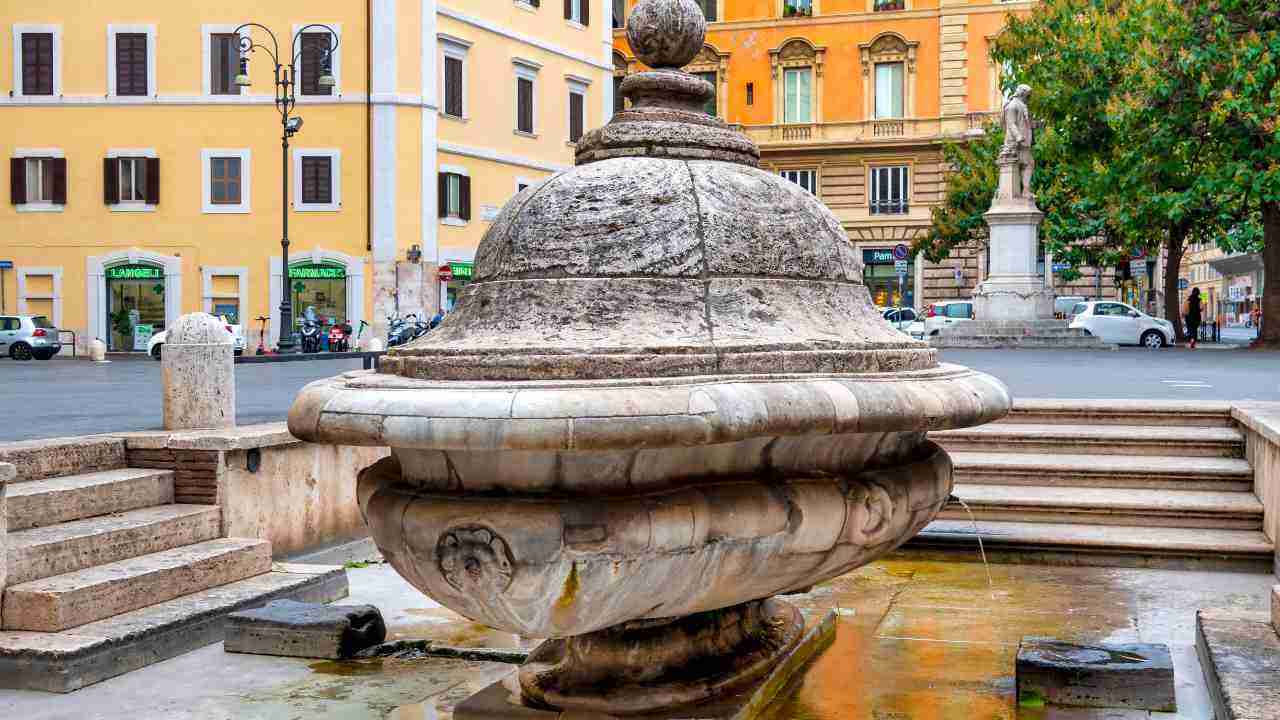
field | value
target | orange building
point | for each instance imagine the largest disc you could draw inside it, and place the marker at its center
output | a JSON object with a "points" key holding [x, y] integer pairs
{"points": [[853, 99]]}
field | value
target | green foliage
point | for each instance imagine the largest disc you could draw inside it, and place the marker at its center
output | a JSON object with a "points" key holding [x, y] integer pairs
{"points": [[970, 187]]}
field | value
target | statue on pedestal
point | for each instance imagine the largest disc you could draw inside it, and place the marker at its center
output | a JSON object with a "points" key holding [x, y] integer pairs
{"points": [[1015, 159]]}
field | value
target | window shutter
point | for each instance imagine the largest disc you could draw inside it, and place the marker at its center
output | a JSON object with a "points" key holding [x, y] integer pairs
{"points": [[59, 181], [153, 181], [575, 117], [110, 181], [464, 195], [568, 9], [442, 186], [17, 181], [586, 12]]}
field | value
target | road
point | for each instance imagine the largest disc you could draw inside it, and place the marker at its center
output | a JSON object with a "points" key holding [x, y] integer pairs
{"points": [[68, 397]]}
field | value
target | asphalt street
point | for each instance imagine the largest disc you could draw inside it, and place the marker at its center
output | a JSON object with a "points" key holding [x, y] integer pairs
{"points": [[74, 397]]}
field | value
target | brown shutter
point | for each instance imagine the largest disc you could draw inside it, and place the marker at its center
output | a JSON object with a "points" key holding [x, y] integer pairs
{"points": [[568, 9], [17, 181], [59, 181], [710, 6], [453, 87], [131, 64], [524, 101], [465, 197], [110, 181], [442, 186], [153, 181], [575, 117], [586, 12]]}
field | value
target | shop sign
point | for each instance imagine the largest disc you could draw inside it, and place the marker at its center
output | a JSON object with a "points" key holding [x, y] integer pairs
{"points": [[6, 264], [462, 270], [318, 272], [1138, 268], [1237, 293], [135, 272], [877, 257], [902, 266]]}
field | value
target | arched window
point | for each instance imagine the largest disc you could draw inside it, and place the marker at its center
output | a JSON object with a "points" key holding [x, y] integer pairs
{"points": [[888, 71], [713, 66], [797, 79]]}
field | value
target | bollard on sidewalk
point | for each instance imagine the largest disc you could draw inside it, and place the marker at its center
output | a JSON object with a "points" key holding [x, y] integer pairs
{"points": [[198, 374]]}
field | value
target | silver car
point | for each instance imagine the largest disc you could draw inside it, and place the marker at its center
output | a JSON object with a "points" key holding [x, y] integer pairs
{"points": [[23, 337]]}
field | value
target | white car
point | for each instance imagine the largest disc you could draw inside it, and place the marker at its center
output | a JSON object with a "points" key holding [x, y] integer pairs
{"points": [[943, 313], [1116, 322], [157, 340]]}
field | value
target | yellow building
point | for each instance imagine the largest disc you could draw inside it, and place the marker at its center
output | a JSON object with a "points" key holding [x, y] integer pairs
{"points": [[145, 183]]}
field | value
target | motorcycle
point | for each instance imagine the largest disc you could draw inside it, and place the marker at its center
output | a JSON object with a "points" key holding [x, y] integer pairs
{"points": [[339, 338], [310, 332], [405, 329]]}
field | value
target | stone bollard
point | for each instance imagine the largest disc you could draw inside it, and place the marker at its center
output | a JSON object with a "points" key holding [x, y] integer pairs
{"points": [[198, 371], [7, 473], [373, 344], [98, 351]]}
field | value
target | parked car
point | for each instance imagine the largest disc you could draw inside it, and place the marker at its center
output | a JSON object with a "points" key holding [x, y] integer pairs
{"points": [[237, 334], [899, 318], [1077, 309], [1064, 305], [1116, 322], [916, 330], [943, 313], [23, 337]]}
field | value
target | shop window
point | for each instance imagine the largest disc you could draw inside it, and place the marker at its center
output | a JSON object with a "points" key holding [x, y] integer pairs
{"points": [[135, 306], [807, 179], [322, 288], [889, 190]]}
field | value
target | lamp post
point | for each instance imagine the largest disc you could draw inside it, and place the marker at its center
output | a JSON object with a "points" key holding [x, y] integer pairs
{"points": [[286, 85]]}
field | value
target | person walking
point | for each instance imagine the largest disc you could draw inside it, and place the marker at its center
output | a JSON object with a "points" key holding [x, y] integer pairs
{"points": [[1193, 316]]}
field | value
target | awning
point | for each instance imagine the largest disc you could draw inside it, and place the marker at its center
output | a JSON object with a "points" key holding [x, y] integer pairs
{"points": [[1238, 264]]}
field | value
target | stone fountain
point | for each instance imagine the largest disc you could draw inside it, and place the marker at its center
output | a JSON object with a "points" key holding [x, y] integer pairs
{"points": [[665, 400]]}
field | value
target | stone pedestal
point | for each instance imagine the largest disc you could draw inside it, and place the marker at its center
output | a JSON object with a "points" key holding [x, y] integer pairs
{"points": [[1013, 291], [198, 374]]}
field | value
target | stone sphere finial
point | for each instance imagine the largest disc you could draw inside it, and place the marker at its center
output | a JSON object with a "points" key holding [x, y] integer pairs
{"points": [[666, 33]]}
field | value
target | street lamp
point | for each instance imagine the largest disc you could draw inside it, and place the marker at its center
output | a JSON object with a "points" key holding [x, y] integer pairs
{"points": [[286, 82]]}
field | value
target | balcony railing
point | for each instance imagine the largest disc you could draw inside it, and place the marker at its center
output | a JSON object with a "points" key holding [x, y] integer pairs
{"points": [[796, 132], [888, 128], [852, 131]]}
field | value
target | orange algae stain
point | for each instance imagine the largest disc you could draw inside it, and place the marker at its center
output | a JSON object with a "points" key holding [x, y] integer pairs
{"points": [[570, 591]]}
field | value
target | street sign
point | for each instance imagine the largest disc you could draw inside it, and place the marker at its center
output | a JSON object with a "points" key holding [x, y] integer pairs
{"points": [[1183, 283], [1059, 267], [445, 272], [6, 264], [901, 252], [902, 266]]}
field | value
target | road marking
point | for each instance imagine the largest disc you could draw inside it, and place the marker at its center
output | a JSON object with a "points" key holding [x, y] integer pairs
{"points": [[1188, 384]]}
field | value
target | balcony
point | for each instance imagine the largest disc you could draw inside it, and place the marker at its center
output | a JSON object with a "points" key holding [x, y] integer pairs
{"points": [[869, 131]]}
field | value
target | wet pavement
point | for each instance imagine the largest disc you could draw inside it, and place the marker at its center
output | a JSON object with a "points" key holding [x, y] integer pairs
{"points": [[918, 640]]}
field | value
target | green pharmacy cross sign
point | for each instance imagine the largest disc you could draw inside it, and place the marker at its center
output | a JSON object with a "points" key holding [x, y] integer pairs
{"points": [[317, 272], [135, 272], [462, 270]]}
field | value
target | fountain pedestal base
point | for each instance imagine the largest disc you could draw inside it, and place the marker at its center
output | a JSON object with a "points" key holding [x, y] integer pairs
{"points": [[745, 693]]}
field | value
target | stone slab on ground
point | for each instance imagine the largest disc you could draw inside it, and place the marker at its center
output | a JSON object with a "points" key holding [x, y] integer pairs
{"points": [[1133, 676], [493, 703], [1240, 655], [295, 629], [67, 661]]}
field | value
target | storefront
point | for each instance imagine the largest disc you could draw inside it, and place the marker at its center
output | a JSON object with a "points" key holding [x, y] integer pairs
{"points": [[889, 286], [322, 286], [459, 275], [135, 306], [1243, 279]]}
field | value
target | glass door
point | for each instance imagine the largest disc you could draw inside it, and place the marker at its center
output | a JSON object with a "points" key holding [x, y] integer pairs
{"points": [[135, 307]]}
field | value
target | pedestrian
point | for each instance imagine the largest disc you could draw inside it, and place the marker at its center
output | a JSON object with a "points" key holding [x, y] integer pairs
{"points": [[1193, 316]]}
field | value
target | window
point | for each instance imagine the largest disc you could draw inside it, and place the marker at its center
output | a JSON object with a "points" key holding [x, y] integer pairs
{"points": [[889, 90], [453, 86], [131, 180], [807, 179], [797, 8], [37, 63], [886, 5], [708, 8], [131, 63], [751, 93], [1110, 310], [132, 174], [317, 180], [226, 181], [316, 49], [712, 78], [798, 96], [619, 102], [577, 115], [455, 197], [960, 311], [619, 13], [578, 11], [526, 100], [224, 59], [889, 190], [38, 180]]}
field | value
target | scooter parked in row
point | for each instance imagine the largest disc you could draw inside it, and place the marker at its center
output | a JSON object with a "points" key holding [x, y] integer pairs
{"points": [[310, 331], [401, 330]]}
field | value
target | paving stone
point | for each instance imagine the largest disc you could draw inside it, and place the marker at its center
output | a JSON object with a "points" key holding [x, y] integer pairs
{"points": [[1240, 656], [1136, 676], [297, 629]]}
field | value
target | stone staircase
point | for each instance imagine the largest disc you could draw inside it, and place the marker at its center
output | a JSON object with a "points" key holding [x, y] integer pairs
{"points": [[106, 573], [1104, 483], [1031, 334]]}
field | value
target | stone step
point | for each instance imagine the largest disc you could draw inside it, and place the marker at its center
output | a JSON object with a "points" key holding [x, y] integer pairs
{"points": [[39, 503], [67, 547], [55, 457], [1108, 506], [989, 342], [1121, 412], [1105, 545], [77, 598], [69, 660], [1112, 471], [1094, 439]]}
